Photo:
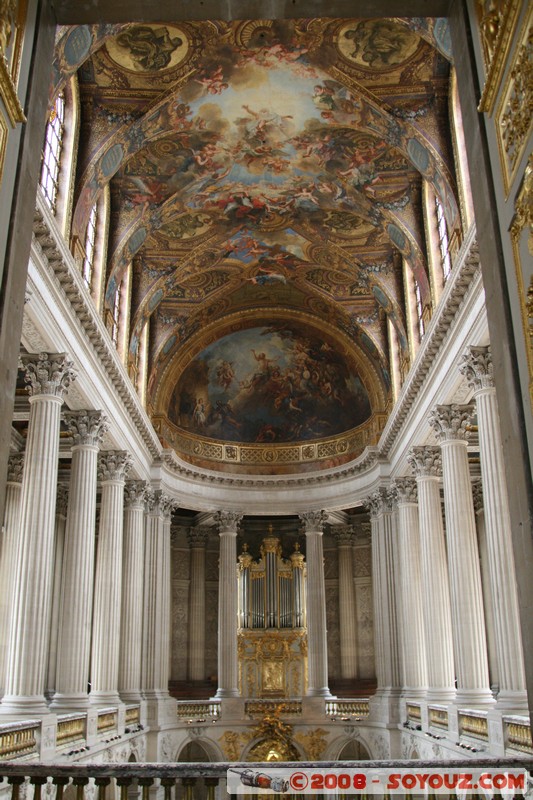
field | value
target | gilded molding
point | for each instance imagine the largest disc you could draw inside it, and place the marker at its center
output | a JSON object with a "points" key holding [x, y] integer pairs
{"points": [[497, 23], [523, 219]]}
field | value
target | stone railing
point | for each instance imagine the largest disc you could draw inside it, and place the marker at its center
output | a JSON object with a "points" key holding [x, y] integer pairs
{"points": [[198, 711], [258, 708], [348, 709]]}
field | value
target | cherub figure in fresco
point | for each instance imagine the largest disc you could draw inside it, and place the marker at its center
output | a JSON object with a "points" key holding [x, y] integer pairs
{"points": [[225, 374], [213, 82]]}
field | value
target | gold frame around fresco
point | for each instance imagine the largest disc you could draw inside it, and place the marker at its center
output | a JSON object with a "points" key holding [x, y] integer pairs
{"points": [[514, 108], [496, 61]]}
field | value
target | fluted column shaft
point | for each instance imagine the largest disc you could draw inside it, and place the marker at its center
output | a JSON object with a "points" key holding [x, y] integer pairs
{"points": [[48, 376], [112, 469], [156, 625], [413, 636], [75, 614], [477, 366], [470, 645], [228, 669], [347, 612], [8, 556], [384, 585], [129, 671], [317, 645], [61, 521], [426, 462], [196, 656], [486, 584]]}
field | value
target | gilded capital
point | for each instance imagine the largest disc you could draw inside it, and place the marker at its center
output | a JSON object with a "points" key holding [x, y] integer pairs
{"points": [[86, 427], [476, 366], [228, 521], [197, 537], [313, 521], [451, 422], [114, 465], [135, 494], [15, 468], [405, 490], [425, 461], [47, 373]]}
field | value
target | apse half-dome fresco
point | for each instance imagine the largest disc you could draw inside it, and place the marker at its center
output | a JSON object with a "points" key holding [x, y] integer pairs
{"points": [[256, 173], [269, 385]]}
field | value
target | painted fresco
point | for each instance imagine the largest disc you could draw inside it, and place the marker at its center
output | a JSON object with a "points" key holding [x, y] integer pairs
{"points": [[276, 384]]}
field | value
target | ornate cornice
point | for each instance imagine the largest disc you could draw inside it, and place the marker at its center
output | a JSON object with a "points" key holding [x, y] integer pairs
{"points": [[62, 267], [86, 427], [47, 373], [476, 366], [114, 465], [135, 494], [425, 461], [313, 521], [450, 423], [405, 490]]}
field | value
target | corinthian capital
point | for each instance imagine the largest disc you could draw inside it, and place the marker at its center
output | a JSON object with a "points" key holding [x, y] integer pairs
{"points": [[47, 373], [405, 490], [313, 521], [228, 520], [380, 502], [159, 503], [134, 494], [476, 366], [15, 468], [344, 534], [425, 461], [114, 465], [86, 427], [451, 422], [197, 537]]}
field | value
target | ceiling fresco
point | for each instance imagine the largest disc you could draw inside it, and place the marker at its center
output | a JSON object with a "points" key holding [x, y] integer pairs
{"points": [[267, 165]]}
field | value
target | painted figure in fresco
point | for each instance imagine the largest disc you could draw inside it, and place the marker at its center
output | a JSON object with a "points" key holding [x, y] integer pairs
{"points": [[380, 43], [150, 48], [199, 415], [225, 374]]}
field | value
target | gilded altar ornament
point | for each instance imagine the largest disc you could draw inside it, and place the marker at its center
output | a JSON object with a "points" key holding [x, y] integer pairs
{"points": [[313, 742], [275, 739], [231, 743]]}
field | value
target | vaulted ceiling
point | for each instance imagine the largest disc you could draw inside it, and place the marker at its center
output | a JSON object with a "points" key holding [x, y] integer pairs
{"points": [[265, 182]]}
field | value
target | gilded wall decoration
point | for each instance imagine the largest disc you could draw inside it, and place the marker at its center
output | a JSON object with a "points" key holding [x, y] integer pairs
{"points": [[497, 25], [313, 742]]}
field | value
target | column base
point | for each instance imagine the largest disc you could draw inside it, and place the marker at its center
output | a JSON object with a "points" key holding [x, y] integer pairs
{"points": [[321, 692], [24, 706], [469, 698], [69, 702], [221, 693], [513, 703], [440, 696], [105, 699], [131, 698]]}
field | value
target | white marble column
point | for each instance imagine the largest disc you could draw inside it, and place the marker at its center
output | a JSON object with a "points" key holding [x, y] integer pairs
{"points": [[197, 538], [77, 577], [228, 606], [468, 620], [317, 645], [347, 612], [61, 521], [476, 365], [49, 375], [8, 555], [426, 464], [156, 624], [412, 631], [129, 671], [488, 600], [113, 466], [384, 585]]}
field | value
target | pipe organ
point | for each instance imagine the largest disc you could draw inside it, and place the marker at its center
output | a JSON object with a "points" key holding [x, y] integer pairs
{"points": [[272, 637]]}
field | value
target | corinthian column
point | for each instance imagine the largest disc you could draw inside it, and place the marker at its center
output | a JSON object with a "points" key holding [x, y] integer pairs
{"points": [[156, 629], [477, 367], [347, 613], [61, 521], [196, 657], [228, 671], [384, 583], [426, 464], [74, 642], [8, 560], [48, 376], [317, 645], [413, 636], [113, 467], [129, 672], [470, 644]]}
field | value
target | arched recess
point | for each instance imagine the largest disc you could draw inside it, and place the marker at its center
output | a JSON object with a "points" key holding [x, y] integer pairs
{"points": [[349, 749]]}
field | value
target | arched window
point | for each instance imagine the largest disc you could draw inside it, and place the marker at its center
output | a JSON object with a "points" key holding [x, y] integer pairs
{"points": [[444, 244], [419, 309], [90, 240], [53, 145], [116, 315]]}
